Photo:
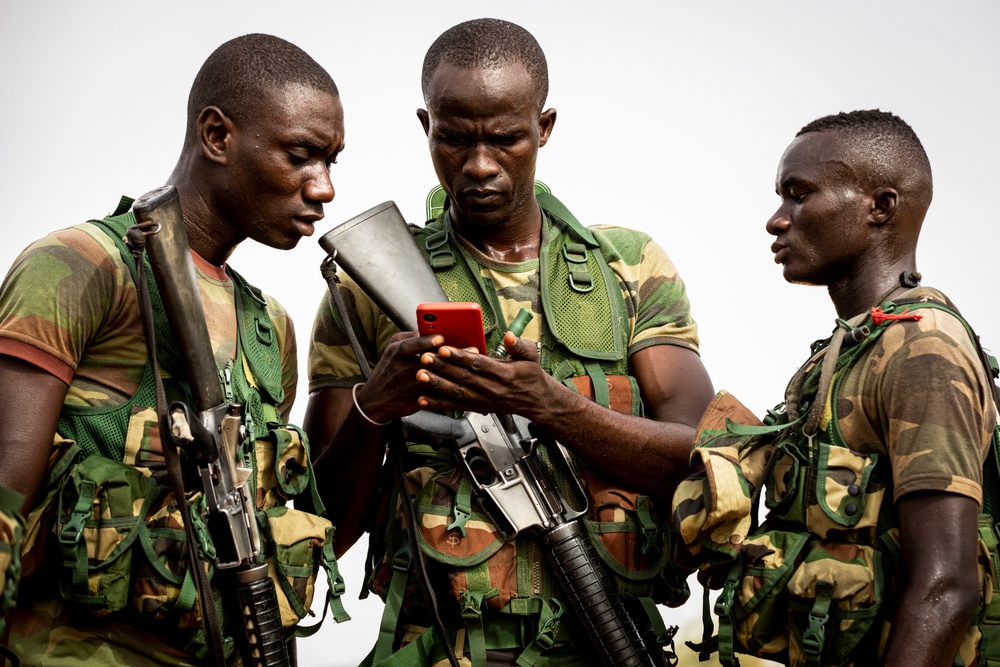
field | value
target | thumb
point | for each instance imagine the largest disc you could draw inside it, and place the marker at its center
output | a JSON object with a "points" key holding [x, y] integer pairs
{"points": [[520, 349]]}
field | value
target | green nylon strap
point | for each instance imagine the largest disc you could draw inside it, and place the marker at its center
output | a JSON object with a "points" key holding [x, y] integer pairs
{"points": [[421, 651], [724, 610], [462, 507], [602, 395], [393, 604], [549, 203], [471, 603], [335, 582], [650, 530], [548, 629], [814, 638]]}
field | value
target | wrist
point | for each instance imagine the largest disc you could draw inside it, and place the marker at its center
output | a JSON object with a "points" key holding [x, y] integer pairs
{"points": [[357, 406]]}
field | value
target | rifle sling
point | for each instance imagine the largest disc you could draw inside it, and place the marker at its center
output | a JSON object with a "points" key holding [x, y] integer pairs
{"points": [[395, 460], [136, 239]]}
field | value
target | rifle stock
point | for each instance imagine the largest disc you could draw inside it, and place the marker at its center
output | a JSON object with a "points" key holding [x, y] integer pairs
{"points": [[210, 436]]}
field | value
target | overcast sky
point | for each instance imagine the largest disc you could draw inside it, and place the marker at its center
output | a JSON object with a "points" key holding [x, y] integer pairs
{"points": [[672, 117]]}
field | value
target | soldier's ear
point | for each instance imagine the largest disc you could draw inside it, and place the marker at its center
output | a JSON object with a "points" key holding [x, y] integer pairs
{"points": [[425, 120], [884, 204], [215, 134], [546, 121]]}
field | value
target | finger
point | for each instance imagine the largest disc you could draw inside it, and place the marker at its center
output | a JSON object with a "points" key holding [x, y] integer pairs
{"points": [[419, 344], [521, 349]]}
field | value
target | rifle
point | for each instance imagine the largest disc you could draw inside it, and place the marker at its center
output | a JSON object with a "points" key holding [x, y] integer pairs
{"points": [[499, 453], [208, 432]]}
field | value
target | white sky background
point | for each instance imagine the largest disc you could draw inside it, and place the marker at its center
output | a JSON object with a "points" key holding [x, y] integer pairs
{"points": [[672, 117]]}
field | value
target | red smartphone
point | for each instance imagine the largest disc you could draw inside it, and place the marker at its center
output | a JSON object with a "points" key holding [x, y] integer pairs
{"points": [[460, 322]]}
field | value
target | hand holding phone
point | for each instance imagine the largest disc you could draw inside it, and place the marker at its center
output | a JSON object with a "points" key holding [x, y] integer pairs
{"points": [[460, 322]]}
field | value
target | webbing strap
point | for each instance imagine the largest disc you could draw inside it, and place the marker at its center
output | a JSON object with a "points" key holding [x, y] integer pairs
{"points": [[602, 395], [393, 605], [472, 616], [988, 534], [814, 637], [548, 628], [462, 507], [723, 609]]}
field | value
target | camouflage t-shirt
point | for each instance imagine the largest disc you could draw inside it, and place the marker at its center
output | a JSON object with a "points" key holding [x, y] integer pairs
{"points": [[69, 306], [920, 395], [655, 298]]}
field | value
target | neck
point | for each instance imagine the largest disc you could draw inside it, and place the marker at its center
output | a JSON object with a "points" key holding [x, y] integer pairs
{"points": [[514, 240], [208, 235], [858, 295]]}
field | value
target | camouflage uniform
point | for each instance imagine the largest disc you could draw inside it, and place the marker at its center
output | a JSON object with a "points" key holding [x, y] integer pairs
{"points": [[69, 306], [506, 587], [816, 583]]}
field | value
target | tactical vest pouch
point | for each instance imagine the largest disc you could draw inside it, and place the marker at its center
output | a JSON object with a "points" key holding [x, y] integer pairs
{"points": [[755, 594], [712, 508], [298, 539], [454, 530], [834, 599], [162, 586], [838, 495], [283, 465], [99, 514], [626, 530]]}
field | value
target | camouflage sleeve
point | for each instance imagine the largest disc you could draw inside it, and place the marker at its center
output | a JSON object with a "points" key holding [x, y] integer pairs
{"points": [[56, 296], [11, 537], [936, 403], [331, 358], [659, 311]]}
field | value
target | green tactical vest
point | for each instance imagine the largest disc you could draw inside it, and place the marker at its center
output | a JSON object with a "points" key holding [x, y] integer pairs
{"points": [[101, 430], [585, 335], [822, 564], [120, 535]]}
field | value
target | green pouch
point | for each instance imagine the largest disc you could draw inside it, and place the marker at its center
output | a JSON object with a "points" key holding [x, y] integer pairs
{"points": [[627, 533], [845, 497], [760, 603], [161, 586], [834, 599], [453, 529], [101, 504], [298, 539]]}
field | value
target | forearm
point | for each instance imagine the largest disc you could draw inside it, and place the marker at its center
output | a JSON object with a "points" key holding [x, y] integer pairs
{"points": [[349, 473], [930, 622], [643, 454]]}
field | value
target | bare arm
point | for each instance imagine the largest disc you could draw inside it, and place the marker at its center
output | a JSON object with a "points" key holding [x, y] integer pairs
{"points": [[648, 455], [30, 402], [348, 450], [939, 539]]}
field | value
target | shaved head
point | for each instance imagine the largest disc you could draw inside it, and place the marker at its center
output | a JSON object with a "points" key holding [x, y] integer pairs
{"points": [[881, 150], [488, 44]]}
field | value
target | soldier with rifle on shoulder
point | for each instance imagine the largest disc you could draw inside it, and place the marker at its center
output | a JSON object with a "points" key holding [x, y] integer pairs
{"points": [[133, 527], [608, 367]]}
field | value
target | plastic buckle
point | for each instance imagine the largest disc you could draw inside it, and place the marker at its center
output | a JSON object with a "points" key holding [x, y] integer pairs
{"points": [[815, 635], [439, 259], [459, 523]]}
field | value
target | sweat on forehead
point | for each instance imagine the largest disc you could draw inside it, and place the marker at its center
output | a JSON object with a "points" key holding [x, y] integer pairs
{"points": [[246, 71], [880, 148], [487, 43]]}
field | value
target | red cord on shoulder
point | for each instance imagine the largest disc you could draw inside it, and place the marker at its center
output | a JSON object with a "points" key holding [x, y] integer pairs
{"points": [[878, 317]]}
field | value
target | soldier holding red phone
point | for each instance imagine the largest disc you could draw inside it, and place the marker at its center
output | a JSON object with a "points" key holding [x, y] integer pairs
{"points": [[608, 366]]}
